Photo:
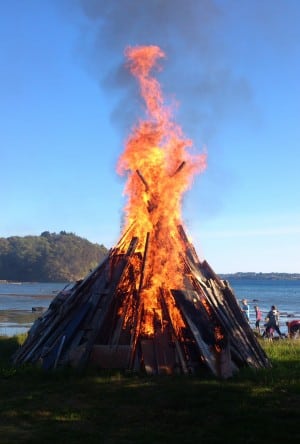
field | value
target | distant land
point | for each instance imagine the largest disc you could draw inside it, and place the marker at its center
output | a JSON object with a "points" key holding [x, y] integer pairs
{"points": [[66, 257], [259, 276], [239, 275], [50, 257]]}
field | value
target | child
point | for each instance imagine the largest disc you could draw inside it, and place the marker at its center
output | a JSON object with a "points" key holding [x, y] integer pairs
{"points": [[258, 316]]}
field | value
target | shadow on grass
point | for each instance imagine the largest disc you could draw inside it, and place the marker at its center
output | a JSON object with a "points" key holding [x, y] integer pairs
{"points": [[8, 346], [113, 407]]}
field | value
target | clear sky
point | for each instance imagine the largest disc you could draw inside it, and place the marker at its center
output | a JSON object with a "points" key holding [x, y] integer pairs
{"points": [[67, 106]]}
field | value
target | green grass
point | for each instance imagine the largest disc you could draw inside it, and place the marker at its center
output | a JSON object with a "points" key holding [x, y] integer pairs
{"points": [[110, 407]]}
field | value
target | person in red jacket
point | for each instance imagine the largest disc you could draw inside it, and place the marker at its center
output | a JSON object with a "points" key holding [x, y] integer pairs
{"points": [[293, 328]]}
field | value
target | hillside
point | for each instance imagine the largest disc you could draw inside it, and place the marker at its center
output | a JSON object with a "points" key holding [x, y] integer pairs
{"points": [[49, 257]]}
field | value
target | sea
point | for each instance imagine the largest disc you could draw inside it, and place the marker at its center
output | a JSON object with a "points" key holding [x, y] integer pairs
{"points": [[21, 303], [18, 300]]}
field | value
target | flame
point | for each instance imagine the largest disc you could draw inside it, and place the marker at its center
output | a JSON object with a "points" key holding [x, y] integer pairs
{"points": [[159, 169]]}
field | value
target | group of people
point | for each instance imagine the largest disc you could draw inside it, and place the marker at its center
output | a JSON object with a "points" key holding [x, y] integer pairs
{"points": [[271, 320]]}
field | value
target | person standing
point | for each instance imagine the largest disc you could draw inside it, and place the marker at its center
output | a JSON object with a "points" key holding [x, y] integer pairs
{"points": [[258, 317], [246, 309], [273, 321]]}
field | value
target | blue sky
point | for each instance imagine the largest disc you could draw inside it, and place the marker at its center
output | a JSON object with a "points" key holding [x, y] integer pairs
{"points": [[67, 106]]}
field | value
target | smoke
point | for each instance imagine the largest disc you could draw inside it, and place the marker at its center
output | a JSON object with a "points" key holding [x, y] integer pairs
{"points": [[195, 73]]}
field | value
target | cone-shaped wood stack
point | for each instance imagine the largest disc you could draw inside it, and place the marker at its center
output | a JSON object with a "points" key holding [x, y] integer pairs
{"points": [[103, 320], [152, 304]]}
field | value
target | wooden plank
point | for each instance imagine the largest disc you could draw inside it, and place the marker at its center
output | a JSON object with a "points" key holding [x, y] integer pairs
{"points": [[144, 263], [148, 356], [109, 297], [139, 309], [226, 367], [51, 359], [255, 355], [164, 353], [135, 335], [190, 251], [166, 314], [205, 349], [105, 356]]}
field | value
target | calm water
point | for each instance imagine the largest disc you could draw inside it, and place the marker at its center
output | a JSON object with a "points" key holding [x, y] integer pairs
{"points": [[17, 300], [264, 293]]}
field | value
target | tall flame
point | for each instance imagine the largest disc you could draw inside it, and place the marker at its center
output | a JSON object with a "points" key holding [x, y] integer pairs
{"points": [[159, 169]]}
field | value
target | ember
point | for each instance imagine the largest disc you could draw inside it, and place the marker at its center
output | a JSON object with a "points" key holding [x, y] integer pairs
{"points": [[152, 304]]}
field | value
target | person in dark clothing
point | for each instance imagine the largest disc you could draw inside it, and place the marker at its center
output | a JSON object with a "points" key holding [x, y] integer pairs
{"points": [[246, 309], [273, 321]]}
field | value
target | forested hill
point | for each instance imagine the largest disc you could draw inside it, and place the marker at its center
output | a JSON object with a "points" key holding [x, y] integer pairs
{"points": [[49, 257]]}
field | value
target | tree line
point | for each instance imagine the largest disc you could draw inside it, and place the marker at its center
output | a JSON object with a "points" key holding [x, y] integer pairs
{"points": [[258, 276], [50, 257]]}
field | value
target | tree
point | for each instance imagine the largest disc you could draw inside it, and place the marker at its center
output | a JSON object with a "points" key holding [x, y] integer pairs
{"points": [[49, 257]]}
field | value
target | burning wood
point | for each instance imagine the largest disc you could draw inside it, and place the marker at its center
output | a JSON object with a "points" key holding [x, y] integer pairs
{"points": [[178, 169], [151, 305], [104, 321], [143, 180]]}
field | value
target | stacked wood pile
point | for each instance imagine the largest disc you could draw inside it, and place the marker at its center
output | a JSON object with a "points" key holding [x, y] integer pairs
{"points": [[98, 321]]}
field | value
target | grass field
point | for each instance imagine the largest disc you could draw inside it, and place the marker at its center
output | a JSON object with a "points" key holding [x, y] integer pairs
{"points": [[110, 407]]}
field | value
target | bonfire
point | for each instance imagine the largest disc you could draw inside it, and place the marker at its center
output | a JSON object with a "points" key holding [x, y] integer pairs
{"points": [[152, 305]]}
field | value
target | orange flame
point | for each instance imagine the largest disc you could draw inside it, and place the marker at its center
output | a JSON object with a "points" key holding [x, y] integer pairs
{"points": [[159, 170]]}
